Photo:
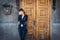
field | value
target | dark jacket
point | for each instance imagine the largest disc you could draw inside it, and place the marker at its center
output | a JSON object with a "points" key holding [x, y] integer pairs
{"points": [[22, 21]]}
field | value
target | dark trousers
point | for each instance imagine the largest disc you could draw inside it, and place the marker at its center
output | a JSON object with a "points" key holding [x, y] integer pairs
{"points": [[22, 32]]}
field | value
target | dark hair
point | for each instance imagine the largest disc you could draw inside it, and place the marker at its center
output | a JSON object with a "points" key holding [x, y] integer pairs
{"points": [[21, 10]]}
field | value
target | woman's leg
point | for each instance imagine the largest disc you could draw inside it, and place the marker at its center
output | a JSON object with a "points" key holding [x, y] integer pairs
{"points": [[20, 33], [23, 34]]}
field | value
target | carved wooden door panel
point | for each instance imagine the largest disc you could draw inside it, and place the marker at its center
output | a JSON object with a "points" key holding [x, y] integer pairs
{"points": [[38, 12], [43, 19]]}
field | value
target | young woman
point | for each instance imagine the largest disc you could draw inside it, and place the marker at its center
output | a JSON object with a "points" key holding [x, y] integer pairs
{"points": [[22, 22]]}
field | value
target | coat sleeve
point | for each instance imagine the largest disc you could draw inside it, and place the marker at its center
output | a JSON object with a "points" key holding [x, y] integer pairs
{"points": [[25, 22], [19, 18]]}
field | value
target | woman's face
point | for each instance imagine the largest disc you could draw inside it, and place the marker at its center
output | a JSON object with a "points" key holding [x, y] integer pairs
{"points": [[21, 13]]}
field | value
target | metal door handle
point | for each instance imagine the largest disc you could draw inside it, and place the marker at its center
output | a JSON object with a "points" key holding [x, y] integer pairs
{"points": [[33, 24]]}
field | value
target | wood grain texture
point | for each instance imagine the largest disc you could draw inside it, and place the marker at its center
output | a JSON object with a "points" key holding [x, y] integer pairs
{"points": [[39, 11]]}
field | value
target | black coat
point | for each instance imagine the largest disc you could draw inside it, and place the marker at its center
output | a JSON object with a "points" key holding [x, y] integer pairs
{"points": [[22, 21], [22, 30]]}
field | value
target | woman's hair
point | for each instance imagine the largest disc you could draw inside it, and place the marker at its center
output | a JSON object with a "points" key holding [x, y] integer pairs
{"points": [[22, 10]]}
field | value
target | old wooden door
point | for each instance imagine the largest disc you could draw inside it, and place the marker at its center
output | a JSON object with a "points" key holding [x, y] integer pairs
{"points": [[43, 19], [38, 12]]}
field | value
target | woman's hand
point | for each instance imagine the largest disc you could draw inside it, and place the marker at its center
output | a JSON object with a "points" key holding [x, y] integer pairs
{"points": [[21, 25]]}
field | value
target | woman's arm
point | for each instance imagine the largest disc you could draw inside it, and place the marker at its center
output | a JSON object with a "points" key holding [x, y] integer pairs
{"points": [[18, 20], [25, 21]]}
